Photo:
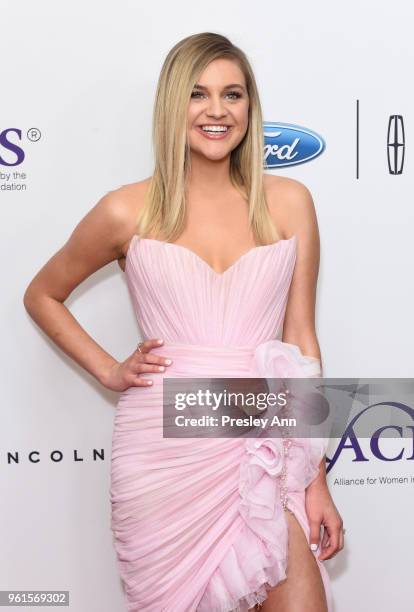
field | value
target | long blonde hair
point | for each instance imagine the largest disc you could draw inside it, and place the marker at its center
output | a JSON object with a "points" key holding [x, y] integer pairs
{"points": [[163, 212]]}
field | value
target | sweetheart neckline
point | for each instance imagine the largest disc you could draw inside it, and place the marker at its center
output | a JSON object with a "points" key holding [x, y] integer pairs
{"points": [[197, 257]]}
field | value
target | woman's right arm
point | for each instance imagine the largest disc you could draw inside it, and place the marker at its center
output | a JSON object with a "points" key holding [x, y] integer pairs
{"points": [[97, 240]]}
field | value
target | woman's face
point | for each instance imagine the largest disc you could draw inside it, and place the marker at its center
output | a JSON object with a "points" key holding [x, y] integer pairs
{"points": [[218, 110]]}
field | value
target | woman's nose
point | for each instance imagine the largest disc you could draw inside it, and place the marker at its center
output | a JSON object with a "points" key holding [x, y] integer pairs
{"points": [[216, 107]]}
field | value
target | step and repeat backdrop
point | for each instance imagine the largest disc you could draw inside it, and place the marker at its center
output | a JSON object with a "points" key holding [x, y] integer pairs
{"points": [[77, 91]]}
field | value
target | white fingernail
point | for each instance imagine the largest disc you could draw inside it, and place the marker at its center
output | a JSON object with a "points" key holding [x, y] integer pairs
{"points": [[314, 547], [168, 361]]}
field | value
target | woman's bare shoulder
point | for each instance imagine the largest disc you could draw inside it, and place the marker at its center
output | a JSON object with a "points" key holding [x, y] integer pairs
{"points": [[290, 203], [125, 203], [284, 187], [130, 195], [133, 189]]}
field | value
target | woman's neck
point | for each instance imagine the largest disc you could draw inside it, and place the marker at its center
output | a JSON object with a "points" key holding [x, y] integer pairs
{"points": [[209, 177]]}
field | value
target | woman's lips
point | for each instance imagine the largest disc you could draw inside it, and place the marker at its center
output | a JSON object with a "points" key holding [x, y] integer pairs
{"points": [[214, 135]]}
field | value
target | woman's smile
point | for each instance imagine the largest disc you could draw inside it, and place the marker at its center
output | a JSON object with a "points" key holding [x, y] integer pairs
{"points": [[214, 131]]}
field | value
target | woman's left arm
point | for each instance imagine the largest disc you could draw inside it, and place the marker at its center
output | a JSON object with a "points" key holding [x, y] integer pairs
{"points": [[296, 211]]}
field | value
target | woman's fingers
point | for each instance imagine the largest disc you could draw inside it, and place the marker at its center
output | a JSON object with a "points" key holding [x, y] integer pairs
{"points": [[142, 366], [143, 352], [144, 361], [147, 345], [334, 532], [151, 358], [325, 540], [139, 381], [341, 540]]}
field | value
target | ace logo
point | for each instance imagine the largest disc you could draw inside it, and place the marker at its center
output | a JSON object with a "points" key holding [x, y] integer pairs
{"points": [[11, 154], [349, 439]]}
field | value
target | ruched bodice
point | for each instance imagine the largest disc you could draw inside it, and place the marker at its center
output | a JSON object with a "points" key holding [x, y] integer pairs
{"points": [[177, 296]]}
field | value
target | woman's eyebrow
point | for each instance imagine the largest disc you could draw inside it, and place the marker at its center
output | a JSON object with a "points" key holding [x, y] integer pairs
{"points": [[231, 86]]}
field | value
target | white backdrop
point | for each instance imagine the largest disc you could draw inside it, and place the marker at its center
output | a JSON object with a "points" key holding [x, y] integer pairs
{"points": [[84, 74]]}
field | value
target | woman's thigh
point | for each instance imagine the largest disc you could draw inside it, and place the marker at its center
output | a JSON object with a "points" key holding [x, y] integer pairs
{"points": [[303, 588]]}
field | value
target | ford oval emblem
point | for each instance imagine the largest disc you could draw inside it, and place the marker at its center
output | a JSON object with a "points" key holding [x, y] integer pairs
{"points": [[288, 145]]}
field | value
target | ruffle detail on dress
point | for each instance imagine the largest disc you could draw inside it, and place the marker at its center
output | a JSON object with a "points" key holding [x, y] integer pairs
{"points": [[279, 360], [275, 358], [239, 581], [258, 558]]}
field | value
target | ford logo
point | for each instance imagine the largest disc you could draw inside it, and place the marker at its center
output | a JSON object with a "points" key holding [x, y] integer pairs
{"points": [[288, 145]]}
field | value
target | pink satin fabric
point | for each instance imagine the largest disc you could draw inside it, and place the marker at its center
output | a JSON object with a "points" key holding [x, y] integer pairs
{"points": [[198, 524]]}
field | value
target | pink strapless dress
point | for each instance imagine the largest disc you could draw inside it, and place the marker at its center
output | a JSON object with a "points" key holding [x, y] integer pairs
{"points": [[199, 524]]}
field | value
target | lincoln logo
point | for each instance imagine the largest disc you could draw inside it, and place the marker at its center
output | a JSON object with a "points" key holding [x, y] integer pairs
{"points": [[395, 144], [288, 145]]}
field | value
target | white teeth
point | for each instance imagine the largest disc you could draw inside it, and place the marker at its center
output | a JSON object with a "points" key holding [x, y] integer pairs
{"points": [[214, 128]]}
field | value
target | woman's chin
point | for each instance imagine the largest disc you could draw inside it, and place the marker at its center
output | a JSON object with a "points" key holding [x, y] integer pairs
{"points": [[210, 154]]}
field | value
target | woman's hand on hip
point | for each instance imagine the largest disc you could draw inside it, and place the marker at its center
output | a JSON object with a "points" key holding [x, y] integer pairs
{"points": [[125, 374]]}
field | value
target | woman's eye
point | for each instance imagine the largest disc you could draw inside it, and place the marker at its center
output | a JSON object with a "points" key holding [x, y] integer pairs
{"points": [[234, 95]]}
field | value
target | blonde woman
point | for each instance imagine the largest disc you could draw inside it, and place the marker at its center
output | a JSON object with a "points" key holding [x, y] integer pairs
{"points": [[221, 261]]}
